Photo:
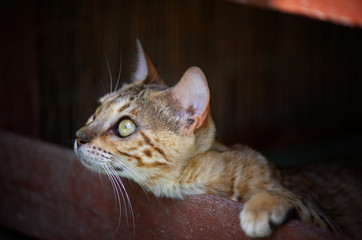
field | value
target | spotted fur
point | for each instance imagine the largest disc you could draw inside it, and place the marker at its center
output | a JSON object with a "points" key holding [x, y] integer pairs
{"points": [[173, 153]]}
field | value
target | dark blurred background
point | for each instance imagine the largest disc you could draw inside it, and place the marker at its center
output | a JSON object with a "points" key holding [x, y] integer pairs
{"points": [[287, 85]]}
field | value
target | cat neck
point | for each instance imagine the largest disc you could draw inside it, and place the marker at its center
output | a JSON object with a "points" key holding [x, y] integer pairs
{"points": [[194, 177], [212, 171], [207, 168], [204, 136], [171, 184]]}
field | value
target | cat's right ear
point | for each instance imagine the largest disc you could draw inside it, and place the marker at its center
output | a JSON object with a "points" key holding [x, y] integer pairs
{"points": [[192, 93], [145, 71]]}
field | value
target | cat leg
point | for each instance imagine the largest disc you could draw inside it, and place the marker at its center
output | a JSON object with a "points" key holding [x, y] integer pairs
{"points": [[263, 212]]}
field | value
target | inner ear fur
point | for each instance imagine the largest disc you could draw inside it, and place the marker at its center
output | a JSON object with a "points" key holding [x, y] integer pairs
{"points": [[145, 71], [192, 93]]}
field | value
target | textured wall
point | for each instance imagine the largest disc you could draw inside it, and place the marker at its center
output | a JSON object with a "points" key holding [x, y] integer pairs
{"points": [[275, 79], [270, 74]]}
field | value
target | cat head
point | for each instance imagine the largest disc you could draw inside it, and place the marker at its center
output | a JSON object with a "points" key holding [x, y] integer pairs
{"points": [[147, 131]]}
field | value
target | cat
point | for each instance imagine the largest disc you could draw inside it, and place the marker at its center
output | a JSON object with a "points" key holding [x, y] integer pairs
{"points": [[163, 138]]}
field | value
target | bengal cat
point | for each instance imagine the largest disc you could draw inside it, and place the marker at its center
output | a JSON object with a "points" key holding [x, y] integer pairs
{"points": [[163, 138]]}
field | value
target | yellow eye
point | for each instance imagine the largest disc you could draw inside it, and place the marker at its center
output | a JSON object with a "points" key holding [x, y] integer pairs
{"points": [[126, 127]]}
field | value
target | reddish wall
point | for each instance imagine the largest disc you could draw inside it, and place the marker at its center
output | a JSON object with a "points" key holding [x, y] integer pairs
{"points": [[341, 12]]}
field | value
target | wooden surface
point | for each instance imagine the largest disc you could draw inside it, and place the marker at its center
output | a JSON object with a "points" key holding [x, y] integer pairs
{"points": [[46, 192], [341, 12]]}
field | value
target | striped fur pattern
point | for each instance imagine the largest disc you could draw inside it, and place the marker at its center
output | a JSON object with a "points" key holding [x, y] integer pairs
{"points": [[173, 152]]}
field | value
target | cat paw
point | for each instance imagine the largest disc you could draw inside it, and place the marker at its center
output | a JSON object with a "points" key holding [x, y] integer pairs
{"points": [[262, 213]]}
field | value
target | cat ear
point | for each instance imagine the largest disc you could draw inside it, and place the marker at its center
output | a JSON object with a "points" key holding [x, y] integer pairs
{"points": [[145, 70], [192, 92]]}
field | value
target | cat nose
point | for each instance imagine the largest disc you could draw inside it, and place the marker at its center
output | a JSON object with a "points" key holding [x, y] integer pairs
{"points": [[82, 138], [81, 141]]}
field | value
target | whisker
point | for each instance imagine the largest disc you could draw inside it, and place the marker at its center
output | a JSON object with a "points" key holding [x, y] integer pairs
{"points": [[130, 170], [137, 97], [100, 175], [170, 166], [116, 179], [118, 163], [109, 72], [112, 182], [119, 71], [120, 185], [173, 169], [100, 81], [153, 78], [134, 175], [116, 190]]}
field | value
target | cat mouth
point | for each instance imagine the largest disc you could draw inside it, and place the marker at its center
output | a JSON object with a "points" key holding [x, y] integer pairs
{"points": [[89, 163], [119, 169]]}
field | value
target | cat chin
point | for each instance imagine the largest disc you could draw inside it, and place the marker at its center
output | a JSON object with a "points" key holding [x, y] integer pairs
{"points": [[87, 161], [88, 165]]}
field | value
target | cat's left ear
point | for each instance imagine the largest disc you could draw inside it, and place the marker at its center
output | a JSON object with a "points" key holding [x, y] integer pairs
{"points": [[145, 70], [192, 92]]}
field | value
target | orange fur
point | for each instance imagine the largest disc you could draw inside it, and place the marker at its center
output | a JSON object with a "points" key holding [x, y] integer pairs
{"points": [[173, 153]]}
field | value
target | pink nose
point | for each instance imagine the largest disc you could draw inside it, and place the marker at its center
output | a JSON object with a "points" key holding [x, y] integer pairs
{"points": [[82, 138], [81, 141]]}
